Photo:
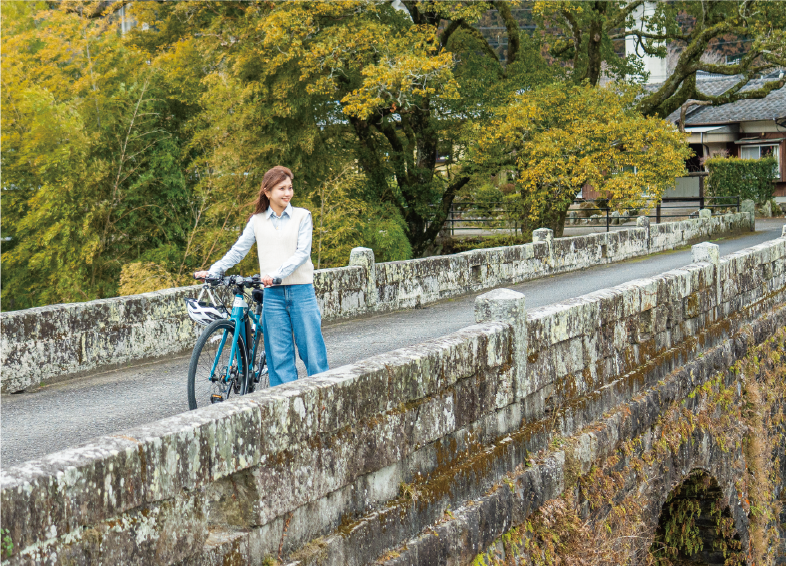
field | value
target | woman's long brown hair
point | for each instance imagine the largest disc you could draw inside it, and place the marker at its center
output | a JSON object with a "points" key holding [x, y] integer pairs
{"points": [[273, 177]]}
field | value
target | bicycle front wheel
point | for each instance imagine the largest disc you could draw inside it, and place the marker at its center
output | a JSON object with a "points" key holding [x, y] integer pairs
{"points": [[211, 364]]}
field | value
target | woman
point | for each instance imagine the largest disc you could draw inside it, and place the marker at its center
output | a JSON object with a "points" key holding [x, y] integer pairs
{"points": [[283, 236]]}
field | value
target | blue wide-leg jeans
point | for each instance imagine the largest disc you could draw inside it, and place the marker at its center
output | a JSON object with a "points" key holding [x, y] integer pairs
{"points": [[292, 310]]}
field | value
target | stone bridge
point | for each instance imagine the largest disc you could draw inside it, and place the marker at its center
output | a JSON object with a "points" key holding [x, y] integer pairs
{"points": [[584, 429]]}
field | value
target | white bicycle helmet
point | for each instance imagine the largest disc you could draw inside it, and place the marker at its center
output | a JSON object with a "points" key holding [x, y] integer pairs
{"points": [[204, 313]]}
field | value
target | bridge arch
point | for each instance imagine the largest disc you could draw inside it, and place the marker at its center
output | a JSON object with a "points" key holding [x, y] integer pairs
{"points": [[709, 474], [696, 525], [708, 467]]}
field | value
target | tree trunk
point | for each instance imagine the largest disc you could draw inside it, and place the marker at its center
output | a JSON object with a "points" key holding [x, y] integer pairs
{"points": [[422, 237], [594, 41], [553, 218]]}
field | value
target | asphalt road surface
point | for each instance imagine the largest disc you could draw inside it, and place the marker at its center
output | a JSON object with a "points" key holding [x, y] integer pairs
{"points": [[69, 413]]}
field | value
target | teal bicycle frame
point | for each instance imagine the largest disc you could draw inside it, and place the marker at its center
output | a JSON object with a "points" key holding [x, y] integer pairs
{"points": [[240, 314]]}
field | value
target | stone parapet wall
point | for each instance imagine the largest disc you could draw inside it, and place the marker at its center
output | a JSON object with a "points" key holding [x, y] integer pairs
{"points": [[604, 343], [309, 455], [402, 285], [348, 465], [67, 340], [59, 341]]}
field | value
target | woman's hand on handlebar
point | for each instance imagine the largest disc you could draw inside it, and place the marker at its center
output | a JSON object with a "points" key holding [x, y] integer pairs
{"points": [[267, 280], [201, 275]]}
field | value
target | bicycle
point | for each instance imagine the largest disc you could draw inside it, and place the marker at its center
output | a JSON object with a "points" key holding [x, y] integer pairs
{"points": [[223, 362]]}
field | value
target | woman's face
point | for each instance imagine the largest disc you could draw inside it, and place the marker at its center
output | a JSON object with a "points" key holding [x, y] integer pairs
{"points": [[280, 195]]}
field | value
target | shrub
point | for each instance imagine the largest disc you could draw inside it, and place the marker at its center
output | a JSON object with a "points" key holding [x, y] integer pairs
{"points": [[743, 178], [488, 200]]}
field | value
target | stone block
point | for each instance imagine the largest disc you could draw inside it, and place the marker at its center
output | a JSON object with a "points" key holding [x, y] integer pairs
{"points": [[710, 253], [541, 369], [508, 306], [705, 252], [748, 207], [569, 357]]}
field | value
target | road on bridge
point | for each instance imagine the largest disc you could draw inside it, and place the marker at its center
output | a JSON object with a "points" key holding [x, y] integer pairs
{"points": [[69, 413]]}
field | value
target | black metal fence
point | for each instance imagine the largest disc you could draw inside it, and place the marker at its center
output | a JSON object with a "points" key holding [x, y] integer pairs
{"points": [[472, 215]]}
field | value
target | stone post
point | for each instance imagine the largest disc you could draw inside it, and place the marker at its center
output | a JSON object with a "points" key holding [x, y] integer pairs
{"points": [[644, 222], [783, 231], [705, 213], [508, 306], [708, 252], [545, 235], [748, 206], [364, 257]]}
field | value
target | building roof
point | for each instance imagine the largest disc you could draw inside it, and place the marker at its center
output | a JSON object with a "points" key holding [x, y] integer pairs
{"points": [[772, 107]]}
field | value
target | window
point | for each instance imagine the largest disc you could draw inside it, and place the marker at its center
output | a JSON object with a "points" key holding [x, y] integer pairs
{"points": [[758, 152]]}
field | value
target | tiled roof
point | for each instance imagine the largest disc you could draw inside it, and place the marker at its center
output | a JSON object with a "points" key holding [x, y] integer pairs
{"points": [[769, 108]]}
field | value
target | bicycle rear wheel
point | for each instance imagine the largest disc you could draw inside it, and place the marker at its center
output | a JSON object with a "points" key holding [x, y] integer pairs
{"points": [[262, 377], [209, 363]]}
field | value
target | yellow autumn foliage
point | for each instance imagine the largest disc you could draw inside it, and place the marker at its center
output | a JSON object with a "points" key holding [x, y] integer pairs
{"points": [[142, 277], [561, 138]]}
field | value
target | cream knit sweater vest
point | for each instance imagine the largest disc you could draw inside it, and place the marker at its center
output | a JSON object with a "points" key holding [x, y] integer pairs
{"points": [[276, 246]]}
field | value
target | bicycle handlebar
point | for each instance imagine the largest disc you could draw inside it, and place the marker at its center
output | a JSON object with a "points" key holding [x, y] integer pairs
{"points": [[240, 281]]}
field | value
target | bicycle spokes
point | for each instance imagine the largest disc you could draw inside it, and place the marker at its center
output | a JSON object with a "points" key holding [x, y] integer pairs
{"points": [[218, 366]]}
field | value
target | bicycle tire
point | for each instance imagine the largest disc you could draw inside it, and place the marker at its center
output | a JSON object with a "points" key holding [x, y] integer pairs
{"points": [[201, 388], [260, 379]]}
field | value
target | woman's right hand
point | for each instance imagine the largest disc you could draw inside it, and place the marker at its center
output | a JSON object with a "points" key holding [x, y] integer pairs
{"points": [[267, 280], [201, 275]]}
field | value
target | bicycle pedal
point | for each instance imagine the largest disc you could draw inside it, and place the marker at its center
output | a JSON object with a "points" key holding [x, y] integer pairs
{"points": [[215, 398]]}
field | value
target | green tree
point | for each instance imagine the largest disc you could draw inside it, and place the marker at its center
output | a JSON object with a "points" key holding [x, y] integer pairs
{"points": [[316, 84], [560, 138], [342, 222], [583, 36], [90, 173]]}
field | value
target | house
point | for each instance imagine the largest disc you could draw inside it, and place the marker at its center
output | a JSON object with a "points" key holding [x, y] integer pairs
{"points": [[748, 129]]}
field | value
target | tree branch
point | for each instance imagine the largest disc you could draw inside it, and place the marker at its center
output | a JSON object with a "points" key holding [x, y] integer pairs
{"points": [[620, 18], [448, 31], [744, 66], [735, 93], [512, 27], [576, 31], [680, 86], [447, 200], [684, 109], [474, 32], [647, 35]]}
